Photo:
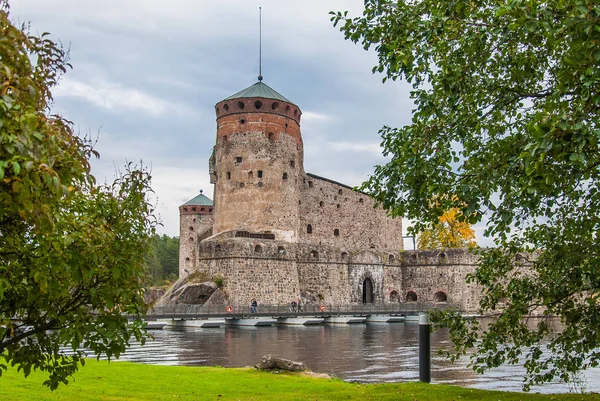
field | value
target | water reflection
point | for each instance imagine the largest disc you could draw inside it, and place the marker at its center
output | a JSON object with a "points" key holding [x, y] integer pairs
{"points": [[362, 352]]}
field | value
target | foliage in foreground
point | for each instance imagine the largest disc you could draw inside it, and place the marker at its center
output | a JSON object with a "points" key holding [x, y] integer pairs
{"points": [[71, 251], [130, 381], [507, 97]]}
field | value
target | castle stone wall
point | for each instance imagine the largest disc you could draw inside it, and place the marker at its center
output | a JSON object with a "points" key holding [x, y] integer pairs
{"points": [[330, 243], [341, 217]]}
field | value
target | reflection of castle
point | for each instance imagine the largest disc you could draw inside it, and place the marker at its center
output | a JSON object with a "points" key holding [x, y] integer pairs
{"points": [[277, 233]]}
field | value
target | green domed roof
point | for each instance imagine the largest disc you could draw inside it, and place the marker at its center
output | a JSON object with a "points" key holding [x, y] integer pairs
{"points": [[200, 200], [259, 89]]}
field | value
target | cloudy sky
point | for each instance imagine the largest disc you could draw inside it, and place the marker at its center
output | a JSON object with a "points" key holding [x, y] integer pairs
{"points": [[147, 74]]}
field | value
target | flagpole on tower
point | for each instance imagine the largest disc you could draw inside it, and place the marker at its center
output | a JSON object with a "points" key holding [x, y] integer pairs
{"points": [[260, 77]]}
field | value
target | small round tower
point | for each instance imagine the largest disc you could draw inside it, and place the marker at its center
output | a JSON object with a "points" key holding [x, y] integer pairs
{"points": [[195, 224], [258, 163]]}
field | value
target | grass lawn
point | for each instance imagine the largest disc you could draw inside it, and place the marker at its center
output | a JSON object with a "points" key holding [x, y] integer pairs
{"points": [[132, 381]]}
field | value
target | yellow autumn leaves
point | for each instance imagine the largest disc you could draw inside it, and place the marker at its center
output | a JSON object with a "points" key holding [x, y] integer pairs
{"points": [[448, 232]]}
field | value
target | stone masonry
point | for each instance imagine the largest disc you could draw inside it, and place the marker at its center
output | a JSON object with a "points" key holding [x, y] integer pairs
{"points": [[277, 233]]}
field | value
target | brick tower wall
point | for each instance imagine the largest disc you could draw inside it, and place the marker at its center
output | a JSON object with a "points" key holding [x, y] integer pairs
{"points": [[258, 167]]}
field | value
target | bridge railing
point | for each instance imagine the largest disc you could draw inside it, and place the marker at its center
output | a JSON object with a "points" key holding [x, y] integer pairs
{"points": [[183, 310]]}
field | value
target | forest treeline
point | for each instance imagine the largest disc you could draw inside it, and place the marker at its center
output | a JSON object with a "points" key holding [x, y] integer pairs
{"points": [[162, 262]]}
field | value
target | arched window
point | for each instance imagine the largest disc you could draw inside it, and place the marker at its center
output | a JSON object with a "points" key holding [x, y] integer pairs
{"points": [[336, 232], [440, 296], [309, 229], [394, 296], [344, 256], [314, 254], [258, 249], [284, 176], [271, 136], [391, 259], [250, 175], [411, 296], [217, 248], [281, 250]]}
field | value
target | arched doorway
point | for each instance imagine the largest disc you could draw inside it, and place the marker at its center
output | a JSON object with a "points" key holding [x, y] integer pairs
{"points": [[411, 296], [367, 293], [394, 296]]}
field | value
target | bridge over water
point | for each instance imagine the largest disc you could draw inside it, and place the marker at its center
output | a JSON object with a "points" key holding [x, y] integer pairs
{"points": [[182, 311]]}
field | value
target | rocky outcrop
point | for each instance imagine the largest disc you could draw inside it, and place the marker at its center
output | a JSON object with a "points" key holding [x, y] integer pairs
{"points": [[194, 289], [195, 294], [153, 294], [269, 362], [217, 298]]}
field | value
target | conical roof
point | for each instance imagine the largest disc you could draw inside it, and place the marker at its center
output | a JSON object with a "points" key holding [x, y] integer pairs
{"points": [[259, 89], [199, 200]]}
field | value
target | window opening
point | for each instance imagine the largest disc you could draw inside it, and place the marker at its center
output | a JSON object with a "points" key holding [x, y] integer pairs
{"points": [[440, 296]]}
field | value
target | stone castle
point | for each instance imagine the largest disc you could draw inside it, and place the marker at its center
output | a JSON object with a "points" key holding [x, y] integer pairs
{"points": [[277, 233]]}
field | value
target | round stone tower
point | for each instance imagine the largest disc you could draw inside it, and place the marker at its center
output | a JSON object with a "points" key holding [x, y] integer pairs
{"points": [[258, 164]]}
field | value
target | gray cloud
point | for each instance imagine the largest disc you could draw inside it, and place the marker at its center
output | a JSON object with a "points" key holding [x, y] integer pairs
{"points": [[147, 75]]}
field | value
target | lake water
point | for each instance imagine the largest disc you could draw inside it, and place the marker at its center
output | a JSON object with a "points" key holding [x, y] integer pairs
{"points": [[371, 353]]}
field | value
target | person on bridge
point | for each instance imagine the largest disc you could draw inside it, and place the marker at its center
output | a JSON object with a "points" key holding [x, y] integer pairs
{"points": [[299, 305], [253, 306], [293, 307]]}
